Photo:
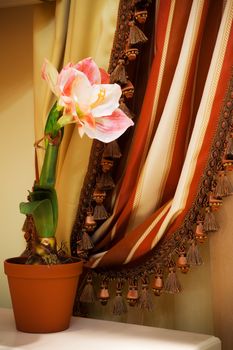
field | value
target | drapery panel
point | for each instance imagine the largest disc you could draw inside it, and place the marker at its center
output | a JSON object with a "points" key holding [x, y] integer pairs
{"points": [[66, 31], [161, 198]]}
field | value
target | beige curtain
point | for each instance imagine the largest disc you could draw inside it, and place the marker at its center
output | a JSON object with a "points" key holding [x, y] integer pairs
{"points": [[68, 31]]}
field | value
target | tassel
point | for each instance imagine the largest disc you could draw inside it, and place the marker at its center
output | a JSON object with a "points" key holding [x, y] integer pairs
{"points": [[86, 241], [136, 36], [145, 301], [88, 293], [229, 148], [224, 186], [199, 233], [119, 305], [210, 223], [112, 150], [126, 110], [105, 182], [118, 75], [172, 284], [193, 255], [100, 212]]}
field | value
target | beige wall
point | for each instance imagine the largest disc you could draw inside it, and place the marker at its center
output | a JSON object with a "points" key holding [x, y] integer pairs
{"points": [[16, 123]]}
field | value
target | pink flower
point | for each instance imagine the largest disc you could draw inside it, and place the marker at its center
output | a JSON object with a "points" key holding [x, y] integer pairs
{"points": [[87, 99]]}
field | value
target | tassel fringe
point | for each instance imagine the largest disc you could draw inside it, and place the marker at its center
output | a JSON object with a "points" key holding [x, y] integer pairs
{"points": [[210, 223], [224, 187], [172, 284], [193, 255], [136, 36], [86, 241], [118, 75], [112, 150], [100, 212]]}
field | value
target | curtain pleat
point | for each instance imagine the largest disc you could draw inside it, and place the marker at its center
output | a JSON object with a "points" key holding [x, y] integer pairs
{"points": [[66, 32]]}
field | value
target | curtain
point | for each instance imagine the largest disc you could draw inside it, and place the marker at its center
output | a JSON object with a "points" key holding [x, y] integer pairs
{"points": [[67, 31], [175, 177]]}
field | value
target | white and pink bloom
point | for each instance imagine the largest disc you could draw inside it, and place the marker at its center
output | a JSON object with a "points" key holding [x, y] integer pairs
{"points": [[86, 98]]}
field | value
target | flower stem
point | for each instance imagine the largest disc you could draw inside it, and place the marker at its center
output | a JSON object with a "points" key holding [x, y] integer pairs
{"points": [[48, 172]]}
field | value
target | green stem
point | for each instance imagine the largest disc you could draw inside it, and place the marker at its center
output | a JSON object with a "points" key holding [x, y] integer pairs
{"points": [[48, 172]]}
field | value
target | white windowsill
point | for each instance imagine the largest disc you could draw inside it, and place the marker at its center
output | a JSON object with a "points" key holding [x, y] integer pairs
{"points": [[93, 334]]}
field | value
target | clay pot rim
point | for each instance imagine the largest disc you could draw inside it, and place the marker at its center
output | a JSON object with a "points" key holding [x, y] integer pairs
{"points": [[15, 267]]}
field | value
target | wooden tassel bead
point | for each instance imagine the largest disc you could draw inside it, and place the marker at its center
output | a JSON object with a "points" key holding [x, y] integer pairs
{"points": [[106, 164], [99, 196], [141, 16], [199, 233], [214, 203], [136, 35], [104, 295], [227, 164], [132, 296], [131, 53], [128, 90], [90, 223], [157, 285], [182, 263]]}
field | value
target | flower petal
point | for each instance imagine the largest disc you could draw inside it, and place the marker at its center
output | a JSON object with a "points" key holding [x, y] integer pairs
{"points": [[110, 101], [50, 74], [90, 69], [81, 91], [109, 128], [66, 79], [105, 77]]}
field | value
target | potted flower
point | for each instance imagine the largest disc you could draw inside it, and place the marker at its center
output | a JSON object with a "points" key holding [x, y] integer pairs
{"points": [[84, 97]]}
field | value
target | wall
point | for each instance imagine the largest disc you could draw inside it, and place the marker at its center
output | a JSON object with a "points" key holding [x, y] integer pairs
{"points": [[16, 120]]}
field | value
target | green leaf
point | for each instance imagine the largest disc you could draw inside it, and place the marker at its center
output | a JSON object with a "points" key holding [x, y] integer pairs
{"points": [[46, 192], [42, 213]]}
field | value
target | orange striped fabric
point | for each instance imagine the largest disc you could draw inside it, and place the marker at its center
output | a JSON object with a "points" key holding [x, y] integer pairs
{"points": [[175, 131]]}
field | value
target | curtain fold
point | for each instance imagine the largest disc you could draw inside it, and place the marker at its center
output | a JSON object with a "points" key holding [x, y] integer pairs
{"points": [[166, 162], [66, 32]]}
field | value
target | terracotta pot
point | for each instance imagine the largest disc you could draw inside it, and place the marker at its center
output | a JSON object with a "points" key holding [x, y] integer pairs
{"points": [[42, 295]]}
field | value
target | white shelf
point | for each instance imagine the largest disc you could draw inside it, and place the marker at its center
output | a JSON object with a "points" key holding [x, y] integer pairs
{"points": [[93, 334]]}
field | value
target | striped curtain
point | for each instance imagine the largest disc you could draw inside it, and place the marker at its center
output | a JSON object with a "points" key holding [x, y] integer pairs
{"points": [[175, 174]]}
